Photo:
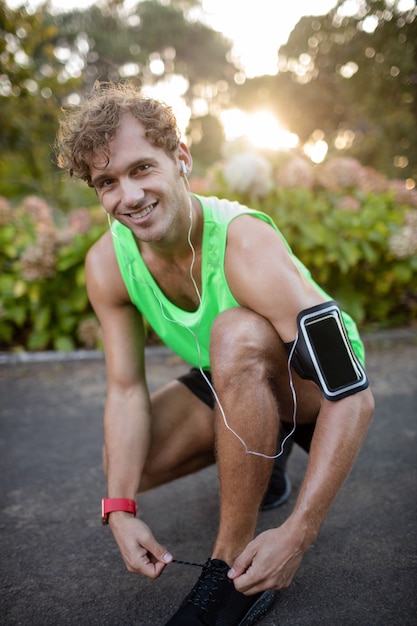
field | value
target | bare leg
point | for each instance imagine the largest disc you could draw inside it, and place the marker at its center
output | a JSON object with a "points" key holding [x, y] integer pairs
{"points": [[182, 436], [182, 439], [249, 368]]}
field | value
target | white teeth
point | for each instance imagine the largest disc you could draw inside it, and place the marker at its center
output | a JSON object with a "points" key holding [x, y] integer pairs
{"points": [[142, 213]]}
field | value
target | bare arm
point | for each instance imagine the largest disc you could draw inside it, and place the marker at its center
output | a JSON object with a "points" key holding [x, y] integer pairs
{"points": [[127, 416], [263, 278], [272, 559]]}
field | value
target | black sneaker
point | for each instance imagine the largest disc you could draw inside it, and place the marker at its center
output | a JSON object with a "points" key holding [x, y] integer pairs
{"points": [[279, 487], [278, 492], [214, 601]]}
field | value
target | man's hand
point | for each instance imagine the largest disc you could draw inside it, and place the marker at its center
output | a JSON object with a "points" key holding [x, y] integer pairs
{"points": [[140, 550], [270, 561]]}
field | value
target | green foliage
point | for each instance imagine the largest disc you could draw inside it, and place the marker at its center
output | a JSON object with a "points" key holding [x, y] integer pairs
{"points": [[359, 246], [348, 253], [47, 61], [206, 135], [356, 233], [44, 303], [148, 31], [354, 84], [33, 84]]}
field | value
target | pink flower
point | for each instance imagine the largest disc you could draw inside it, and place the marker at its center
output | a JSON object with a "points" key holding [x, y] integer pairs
{"points": [[38, 209], [38, 260], [402, 194], [80, 221], [296, 172], [372, 181], [349, 204], [340, 173]]}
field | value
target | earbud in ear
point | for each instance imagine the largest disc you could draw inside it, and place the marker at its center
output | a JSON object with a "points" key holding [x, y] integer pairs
{"points": [[183, 168]]}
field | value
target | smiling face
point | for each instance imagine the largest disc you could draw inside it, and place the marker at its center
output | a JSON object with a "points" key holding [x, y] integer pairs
{"points": [[139, 184]]}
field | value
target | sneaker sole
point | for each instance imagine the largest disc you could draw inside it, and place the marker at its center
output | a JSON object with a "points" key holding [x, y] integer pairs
{"points": [[259, 609]]}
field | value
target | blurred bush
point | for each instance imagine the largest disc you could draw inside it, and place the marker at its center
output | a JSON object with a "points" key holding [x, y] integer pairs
{"points": [[355, 230], [44, 303]]}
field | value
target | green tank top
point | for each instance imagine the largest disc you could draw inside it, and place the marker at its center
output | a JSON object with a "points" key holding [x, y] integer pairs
{"points": [[188, 333]]}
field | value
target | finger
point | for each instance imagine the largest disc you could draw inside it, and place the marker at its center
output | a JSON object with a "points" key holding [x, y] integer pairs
{"points": [[241, 564], [247, 585], [158, 552], [153, 570], [148, 564], [152, 548]]}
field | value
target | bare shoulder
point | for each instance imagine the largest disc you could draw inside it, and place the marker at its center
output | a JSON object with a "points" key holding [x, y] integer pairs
{"points": [[248, 232], [263, 275], [251, 239], [101, 255], [104, 280]]}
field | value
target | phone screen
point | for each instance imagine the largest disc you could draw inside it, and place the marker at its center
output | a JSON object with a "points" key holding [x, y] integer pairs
{"points": [[336, 362]]}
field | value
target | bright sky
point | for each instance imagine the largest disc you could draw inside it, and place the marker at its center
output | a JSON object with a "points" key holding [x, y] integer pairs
{"points": [[258, 28]]}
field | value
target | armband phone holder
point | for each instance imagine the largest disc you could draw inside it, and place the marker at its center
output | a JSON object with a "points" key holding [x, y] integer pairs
{"points": [[323, 352]]}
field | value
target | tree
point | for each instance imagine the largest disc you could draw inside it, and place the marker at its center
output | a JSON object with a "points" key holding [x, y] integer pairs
{"points": [[49, 60], [33, 85], [152, 42], [206, 135], [354, 77]]}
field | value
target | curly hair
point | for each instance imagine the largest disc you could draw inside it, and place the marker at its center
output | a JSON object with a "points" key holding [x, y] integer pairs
{"points": [[91, 125]]}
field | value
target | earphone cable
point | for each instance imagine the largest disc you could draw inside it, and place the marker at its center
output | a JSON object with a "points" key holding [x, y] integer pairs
{"points": [[129, 263]]}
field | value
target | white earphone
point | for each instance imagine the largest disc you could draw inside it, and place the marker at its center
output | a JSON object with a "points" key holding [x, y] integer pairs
{"points": [[183, 167]]}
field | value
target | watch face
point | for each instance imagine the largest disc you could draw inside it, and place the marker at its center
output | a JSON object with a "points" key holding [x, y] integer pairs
{"points": [[104, 516]]}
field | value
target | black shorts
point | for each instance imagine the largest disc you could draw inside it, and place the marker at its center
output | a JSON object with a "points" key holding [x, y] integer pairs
{"points": [[196, 383]]}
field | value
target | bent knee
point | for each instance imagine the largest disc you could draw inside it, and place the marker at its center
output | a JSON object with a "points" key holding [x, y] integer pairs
{"points": [[242, 327], [241, 338]]}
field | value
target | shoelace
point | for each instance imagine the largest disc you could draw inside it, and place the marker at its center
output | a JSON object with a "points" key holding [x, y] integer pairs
{"points": [[188, 563], [206, 586]]}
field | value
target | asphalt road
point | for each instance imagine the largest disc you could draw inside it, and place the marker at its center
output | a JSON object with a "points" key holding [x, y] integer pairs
{"points": [[59, 566]]}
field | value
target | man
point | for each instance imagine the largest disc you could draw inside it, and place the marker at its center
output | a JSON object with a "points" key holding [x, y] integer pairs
{"points": [[220, 286]]}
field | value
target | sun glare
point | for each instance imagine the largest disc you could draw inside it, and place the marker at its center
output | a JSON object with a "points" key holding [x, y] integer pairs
{"points": [[316, 151], [261, 129]]}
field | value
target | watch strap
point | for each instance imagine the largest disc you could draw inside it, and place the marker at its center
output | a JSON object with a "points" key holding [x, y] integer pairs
{"points": [[110, 505]]}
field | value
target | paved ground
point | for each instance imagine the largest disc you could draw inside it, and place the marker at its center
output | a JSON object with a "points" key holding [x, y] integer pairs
{"points": [[59, 566]]}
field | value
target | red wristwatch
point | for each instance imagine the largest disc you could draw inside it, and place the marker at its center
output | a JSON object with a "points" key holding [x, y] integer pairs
{"points": [[109, 505]]}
